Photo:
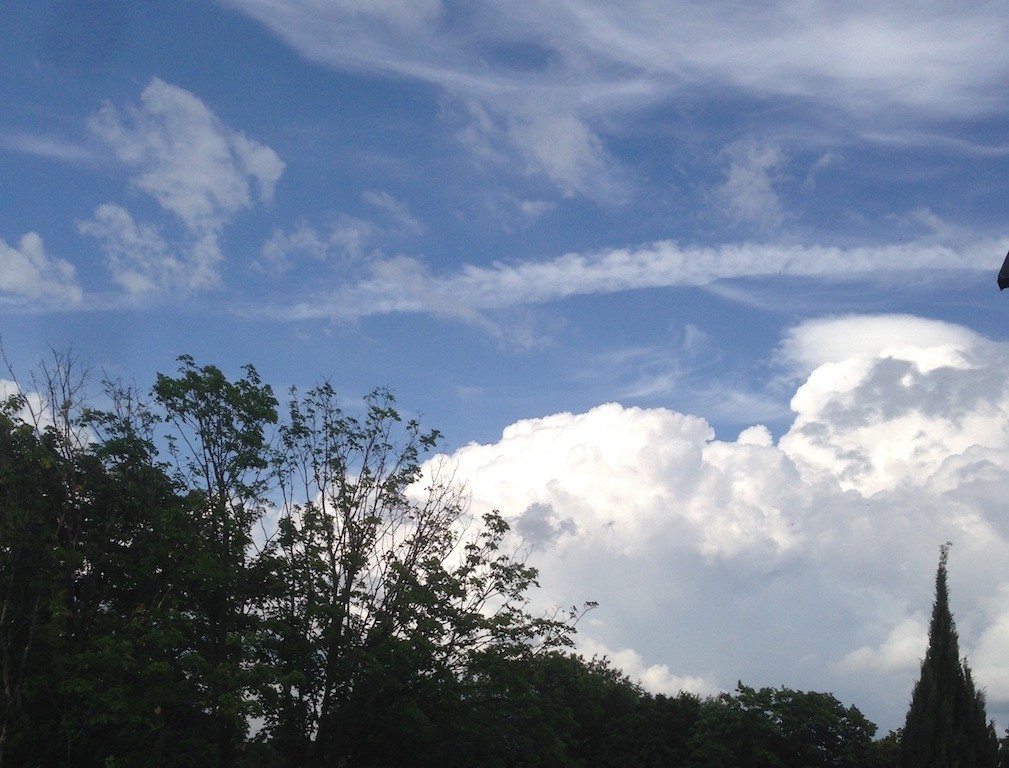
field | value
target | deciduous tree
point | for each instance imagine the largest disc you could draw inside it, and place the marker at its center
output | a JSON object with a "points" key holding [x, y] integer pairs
{"points": [[386, 591], [219, 444]]}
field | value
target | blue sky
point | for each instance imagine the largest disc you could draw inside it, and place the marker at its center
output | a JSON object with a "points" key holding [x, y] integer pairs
{"points": [[735, 224]]}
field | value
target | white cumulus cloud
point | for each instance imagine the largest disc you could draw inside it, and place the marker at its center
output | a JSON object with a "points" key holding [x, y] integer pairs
{"points": [[806, 561], [943, 394]]}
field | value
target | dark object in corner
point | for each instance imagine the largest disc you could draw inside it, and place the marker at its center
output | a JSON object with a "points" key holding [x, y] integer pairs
{"points": [[1003, 275]]}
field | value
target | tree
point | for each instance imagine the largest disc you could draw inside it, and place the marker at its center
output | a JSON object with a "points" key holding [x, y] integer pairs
{"points": [[219, 446], [42, 517], [946, 724], [561, 710], [384, 594], [94, 547], [308, 583], [781, 728], [31, 511]]}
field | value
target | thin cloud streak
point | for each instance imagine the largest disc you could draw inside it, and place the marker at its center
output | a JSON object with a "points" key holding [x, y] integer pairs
{"points": [[48, 147], [405, 285]]}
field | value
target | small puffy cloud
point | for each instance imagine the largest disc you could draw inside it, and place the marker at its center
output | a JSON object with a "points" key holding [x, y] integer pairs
{"points": [[806, 562], [534, 209], [748, 193], [196, 168], [549, 140], [186, 158], [140, 259], [29, 276], [758, 434], [565, 150], [901, 651], [345, 238]]}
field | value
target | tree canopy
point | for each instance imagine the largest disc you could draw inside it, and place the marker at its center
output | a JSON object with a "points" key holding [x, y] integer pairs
{"points": [[194, 578]]}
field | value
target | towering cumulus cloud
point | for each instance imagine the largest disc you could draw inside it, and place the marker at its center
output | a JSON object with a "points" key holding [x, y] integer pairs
{"points": [[804, 561]]}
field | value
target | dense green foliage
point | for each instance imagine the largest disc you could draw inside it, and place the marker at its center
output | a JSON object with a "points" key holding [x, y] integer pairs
{"points": [[201, 579], [946, 723]]}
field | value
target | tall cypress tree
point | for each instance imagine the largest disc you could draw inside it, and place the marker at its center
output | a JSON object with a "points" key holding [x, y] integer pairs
{"points": [[946, 724]]}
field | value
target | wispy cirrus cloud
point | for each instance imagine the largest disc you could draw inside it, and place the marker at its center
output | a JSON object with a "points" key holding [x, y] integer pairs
{"points": [[543, 85], [861, 56]]}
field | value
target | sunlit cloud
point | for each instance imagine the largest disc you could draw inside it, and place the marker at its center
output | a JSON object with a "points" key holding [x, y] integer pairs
{"points": [[820, 548]]}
